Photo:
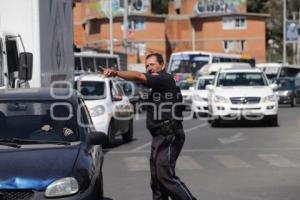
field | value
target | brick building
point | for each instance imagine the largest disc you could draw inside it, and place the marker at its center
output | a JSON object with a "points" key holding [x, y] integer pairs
{"points": [[216, 30], [190, 25]]}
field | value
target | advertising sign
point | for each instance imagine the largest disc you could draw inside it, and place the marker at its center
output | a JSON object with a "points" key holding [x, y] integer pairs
{"points": [[292, 31], [220, 6], [134, 7]]}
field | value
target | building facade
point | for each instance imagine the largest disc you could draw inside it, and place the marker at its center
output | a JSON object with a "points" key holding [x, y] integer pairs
{"points": [[215, 25], [145, 32]]}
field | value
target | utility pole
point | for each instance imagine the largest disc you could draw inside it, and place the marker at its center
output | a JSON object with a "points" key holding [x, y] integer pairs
{"points": [[284, 32], [295, 44], [193, 38], [111, 37], [298, 49], [125, 25]]}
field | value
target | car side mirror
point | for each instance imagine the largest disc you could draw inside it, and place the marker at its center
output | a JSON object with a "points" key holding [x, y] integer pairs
{"points": [[117, 98], [191, 88], [274, 86], [97, 138], [209, 87], [25, 66]]}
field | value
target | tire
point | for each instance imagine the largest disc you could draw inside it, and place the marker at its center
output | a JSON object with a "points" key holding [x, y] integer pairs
{"points": [[274, 121], [215, 122], [110, 139], [98, 191], [195, 115], [128, 136], [293, 102]]}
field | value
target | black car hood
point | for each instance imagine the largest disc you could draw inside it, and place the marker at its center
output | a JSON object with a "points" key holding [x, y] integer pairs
{"points": [[35, 168]]}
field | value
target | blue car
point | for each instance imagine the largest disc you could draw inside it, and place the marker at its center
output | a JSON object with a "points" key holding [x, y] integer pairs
{"points": [[48, 146]]}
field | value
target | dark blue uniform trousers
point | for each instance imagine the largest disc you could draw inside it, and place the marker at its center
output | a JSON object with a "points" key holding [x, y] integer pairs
{"points": [[164, 182]]}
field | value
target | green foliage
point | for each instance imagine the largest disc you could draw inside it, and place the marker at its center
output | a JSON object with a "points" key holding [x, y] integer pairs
{"points": [[257, 6], [159, 6], [275, 21]]}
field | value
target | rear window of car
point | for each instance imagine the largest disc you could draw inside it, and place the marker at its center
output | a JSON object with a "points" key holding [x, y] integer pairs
{"points": [[202, 83], [285, 84], [91, 89]]}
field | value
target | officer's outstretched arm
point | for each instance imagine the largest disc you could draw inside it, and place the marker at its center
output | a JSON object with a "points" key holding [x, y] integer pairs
{"points": [[127, 75]]}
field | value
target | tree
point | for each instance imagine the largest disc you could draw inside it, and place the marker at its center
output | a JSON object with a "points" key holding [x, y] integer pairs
{"points": [[159, 6], [275, 21], [257, 6]]}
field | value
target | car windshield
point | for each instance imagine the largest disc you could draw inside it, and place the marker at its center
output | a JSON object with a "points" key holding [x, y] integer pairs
{"points": [[284, 84], [38, 121], [129, 88], [188, 63], [241, 79], [202, 83], [91, 89], [184, 85]]}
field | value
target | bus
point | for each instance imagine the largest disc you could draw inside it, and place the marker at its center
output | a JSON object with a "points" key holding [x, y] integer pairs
{"points": [[90, 61], [277, 70], [185, 66]]}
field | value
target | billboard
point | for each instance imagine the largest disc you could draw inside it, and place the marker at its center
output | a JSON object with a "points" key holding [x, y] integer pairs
{"points": [[220, 6], [134, 7], [292, 31]]}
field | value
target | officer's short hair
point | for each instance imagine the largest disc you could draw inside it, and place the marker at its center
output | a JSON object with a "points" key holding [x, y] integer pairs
{"points": [[158, 56]]}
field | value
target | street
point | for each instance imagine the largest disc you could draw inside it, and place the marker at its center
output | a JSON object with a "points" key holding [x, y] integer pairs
{"points": [[233, 162]]}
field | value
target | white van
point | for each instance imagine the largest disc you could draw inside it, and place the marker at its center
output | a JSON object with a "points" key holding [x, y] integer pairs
{"points": [[89, 61], [110, 109], [200, 97], [277, 70], [213, 68]]}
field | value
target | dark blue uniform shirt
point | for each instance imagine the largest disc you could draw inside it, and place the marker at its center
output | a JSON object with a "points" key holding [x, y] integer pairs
{"points": [[164, 100]]}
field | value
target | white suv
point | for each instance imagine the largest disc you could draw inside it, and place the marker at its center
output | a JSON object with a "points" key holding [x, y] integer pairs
{"points": [[110, 109], [200, 97], [242, 94]]}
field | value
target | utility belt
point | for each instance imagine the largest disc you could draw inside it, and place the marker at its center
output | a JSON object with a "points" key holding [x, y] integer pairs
{"points": [[165, 128]]}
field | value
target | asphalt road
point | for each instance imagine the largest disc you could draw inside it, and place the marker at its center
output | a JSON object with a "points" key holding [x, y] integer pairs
{"points": [[234, 162]]}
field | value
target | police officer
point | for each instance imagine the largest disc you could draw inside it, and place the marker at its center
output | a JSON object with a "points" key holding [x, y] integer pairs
{"points": [[164, 122]]}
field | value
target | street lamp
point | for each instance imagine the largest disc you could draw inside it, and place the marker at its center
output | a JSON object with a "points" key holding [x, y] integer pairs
{"points": [[111, 44], [270, 43], [284, 32]]}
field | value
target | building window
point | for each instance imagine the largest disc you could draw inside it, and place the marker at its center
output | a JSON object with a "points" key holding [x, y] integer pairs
{"points": [[94, 26], [134, 47], [234, 45], [234, 23], [142, 48], [139, 24], [136, 24]]}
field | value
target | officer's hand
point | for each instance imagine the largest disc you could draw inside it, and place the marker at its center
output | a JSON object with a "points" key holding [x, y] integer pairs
{"points": [[109, 72], [46, 128]]}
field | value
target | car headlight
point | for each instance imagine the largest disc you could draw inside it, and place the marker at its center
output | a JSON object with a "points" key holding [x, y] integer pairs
{"points": [[286, 92], [62, 187], [270, 98], [197, 98], [97, 111], [220, 99]]}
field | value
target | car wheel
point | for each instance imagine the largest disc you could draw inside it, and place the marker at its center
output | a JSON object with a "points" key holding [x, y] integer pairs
{"points": [[110, 139], [128, 136], [293, 102], [98, 194], [140, 110], [194, 115], [215, 122], [274, 121]]}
